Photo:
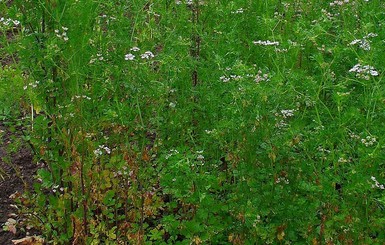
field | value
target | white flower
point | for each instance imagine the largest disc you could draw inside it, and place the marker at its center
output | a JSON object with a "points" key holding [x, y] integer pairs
{"points": [[369, 141], [339, 3], [108, 150], [9, 21], [135, 49], [266, 43], [364, 43], [129, 57], [364, 71], [232, 77], [236, 77], [63, 34], [371, 34], [377, 184], [98, 152], [238, 11], [287, 113], [373, 178], [261, 77], [147, 55], [224, 79], [355, 41]]}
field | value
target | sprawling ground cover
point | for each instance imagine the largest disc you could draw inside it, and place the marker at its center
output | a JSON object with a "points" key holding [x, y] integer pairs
{"points": [[201, 122]]}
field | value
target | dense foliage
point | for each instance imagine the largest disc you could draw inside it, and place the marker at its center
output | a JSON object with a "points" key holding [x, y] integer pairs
{"points": [[201, 122]]}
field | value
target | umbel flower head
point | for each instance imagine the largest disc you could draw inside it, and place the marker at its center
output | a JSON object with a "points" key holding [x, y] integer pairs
{"points": [[266, 43], [147, 55], [364, 71], [129, 57]]}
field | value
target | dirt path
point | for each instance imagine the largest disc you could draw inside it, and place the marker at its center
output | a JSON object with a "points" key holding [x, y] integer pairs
{"points": [[18, 176]]}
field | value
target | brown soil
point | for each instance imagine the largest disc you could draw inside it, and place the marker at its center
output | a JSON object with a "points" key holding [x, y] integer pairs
{"points": [[18, 177]]}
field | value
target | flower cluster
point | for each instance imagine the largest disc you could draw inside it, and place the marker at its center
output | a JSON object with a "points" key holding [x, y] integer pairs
{"points": [[99, 150], [129, 57], [56, 188], [363, 43], [107, 18], [172, 105], [260, 77], [62, 34], [238, 11], [323, 150], [266, 43], [200, 157], [364, 71], [146, 55], [80, 97], [172, 153], [99, 57], [231, 77], [354, 136], [377, 184], [32, 85], [327, 14], [188, 2], [339, 3], [343, 160], [207, 131], [135, 49], [368, 141], [287, 113], [9, 22], [282, 180]]}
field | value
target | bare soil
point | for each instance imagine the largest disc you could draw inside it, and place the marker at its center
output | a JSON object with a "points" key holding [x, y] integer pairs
{"points": [[18, 177]]}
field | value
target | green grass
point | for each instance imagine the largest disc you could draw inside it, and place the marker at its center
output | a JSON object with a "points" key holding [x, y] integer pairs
{"points": [[248, 124]]}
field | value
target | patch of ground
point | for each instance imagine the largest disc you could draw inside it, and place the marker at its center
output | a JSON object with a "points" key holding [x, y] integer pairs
{"points": [[17, 177]]}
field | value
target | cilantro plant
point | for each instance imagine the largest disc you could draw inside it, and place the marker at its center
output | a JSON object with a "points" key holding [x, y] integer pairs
{"points": [[203, 122]]}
